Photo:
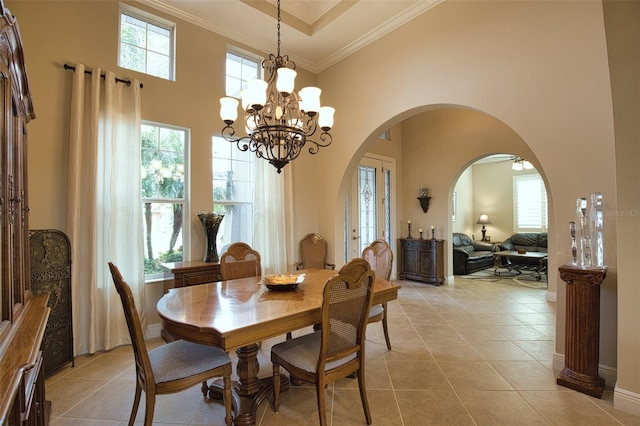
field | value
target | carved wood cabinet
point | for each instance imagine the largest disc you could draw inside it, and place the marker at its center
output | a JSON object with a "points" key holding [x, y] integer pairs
{"points": [[23, 315], [422, 260]]}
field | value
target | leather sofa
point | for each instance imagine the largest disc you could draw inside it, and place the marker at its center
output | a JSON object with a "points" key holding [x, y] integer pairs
{"points": [[529, 241], [471, 256]]}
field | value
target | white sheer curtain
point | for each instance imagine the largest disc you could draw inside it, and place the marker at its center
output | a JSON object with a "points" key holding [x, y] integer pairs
{"points": [[104, 217], [273, 224]]}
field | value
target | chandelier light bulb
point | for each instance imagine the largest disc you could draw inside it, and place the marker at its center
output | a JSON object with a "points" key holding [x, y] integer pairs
{"points": [[326, 118], [286, 80], [228, 109]]}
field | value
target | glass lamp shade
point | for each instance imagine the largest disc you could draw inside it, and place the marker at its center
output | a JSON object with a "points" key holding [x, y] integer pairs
{"points": [[326, 118], [256, 93], [516, 166], [286, 80], [228, 109], [310, 99]]}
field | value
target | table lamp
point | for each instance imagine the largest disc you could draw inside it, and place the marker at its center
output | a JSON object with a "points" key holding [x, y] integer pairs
{"points": [[483, 220]]}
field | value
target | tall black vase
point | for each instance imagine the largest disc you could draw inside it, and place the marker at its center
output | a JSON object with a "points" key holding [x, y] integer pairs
{"points": [[210, 223]]}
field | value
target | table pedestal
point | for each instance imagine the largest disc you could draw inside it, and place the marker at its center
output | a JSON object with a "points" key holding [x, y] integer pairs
{"points": [[582, 329], [249, 391]]}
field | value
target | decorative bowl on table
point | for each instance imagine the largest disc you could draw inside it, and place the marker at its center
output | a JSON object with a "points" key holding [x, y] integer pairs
{"points": [[282, 281]]}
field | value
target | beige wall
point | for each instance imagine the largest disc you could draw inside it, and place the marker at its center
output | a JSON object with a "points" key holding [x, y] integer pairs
{"points": [[465, 80], [550, 88]]}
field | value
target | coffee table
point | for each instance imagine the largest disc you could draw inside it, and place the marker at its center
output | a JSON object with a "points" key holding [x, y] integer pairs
{"points": [[536, 269]]}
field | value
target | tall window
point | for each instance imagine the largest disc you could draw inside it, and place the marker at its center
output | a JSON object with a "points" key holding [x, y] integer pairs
{"points": [[233, 186], [146, 43], [240, 68], [530, 204], [234, 170], [164, 192]]}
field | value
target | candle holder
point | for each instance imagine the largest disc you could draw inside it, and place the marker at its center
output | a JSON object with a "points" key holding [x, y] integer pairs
{"points": [[421, 235], [433, 234], [409, 236]]}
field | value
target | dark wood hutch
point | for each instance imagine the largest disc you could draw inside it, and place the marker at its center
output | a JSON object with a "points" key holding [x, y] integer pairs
{"points": [[23, 316]]}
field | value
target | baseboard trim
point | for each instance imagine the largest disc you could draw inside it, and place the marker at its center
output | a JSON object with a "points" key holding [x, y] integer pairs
{"points": [[552, 296], [154, 330], [450, 279], [626, 401]]}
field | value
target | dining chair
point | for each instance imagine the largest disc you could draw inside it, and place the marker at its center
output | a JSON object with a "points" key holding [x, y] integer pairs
{"points": [[313, 253], [240, 261], [337, 349], [380, 258], [169, 368]]}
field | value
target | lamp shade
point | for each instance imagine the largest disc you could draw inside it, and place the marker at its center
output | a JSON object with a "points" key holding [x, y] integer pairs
{"points": [[256, 93], [286, 80], [326, 118], [483, 220], [310, 99], [229, 109]]}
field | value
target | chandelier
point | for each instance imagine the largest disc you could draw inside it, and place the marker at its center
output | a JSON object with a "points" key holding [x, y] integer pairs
{"points": [[278, 121]]}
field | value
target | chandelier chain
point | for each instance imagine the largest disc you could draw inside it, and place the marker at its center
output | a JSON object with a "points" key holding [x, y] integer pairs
{"points": [[278, 27]]}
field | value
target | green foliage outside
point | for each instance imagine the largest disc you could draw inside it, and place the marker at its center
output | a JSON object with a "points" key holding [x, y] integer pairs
{"points": [[162, 157]]}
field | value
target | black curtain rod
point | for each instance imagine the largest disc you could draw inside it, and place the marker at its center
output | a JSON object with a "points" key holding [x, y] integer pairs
{"points": [[119, 80]]}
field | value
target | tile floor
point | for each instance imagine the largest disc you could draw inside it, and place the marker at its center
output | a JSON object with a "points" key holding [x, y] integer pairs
{"points": [[470, 353]]}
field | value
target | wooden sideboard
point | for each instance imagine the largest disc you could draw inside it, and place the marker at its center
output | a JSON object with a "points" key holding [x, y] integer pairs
{"points": [[190, 272], [422, 260]]}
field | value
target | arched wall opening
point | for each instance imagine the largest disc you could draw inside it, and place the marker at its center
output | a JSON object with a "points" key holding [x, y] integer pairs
{"points": [[435, 144]]}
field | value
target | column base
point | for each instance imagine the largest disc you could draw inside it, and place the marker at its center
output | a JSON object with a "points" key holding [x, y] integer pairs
{"points": [[593, 386]]}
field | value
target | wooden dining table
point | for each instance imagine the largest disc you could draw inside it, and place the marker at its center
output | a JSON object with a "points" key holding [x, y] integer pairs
{"points": [[238, 314]]}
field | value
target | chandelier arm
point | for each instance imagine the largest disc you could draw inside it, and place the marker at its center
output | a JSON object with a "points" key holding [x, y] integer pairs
{"points": [[325, 142]]}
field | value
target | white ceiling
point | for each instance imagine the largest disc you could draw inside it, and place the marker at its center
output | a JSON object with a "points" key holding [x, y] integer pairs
{"points": [[314, 33]]}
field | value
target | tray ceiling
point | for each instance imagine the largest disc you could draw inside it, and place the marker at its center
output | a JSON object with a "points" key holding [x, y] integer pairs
{"points": [[314, 33]]}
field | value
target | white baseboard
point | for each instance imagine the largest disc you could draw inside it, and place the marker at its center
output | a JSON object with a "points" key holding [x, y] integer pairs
{"points": [[154, 330], [450, 280], [626, 401], [552, 296], [558, 362]]}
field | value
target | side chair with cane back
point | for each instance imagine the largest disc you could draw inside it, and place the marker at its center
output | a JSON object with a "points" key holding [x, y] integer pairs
{"points": [[313, 253], [172, 367], [337, 350], [380, 258]]}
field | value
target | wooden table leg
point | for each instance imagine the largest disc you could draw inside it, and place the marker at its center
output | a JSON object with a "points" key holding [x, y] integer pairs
{"points": [[249, 391]]}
